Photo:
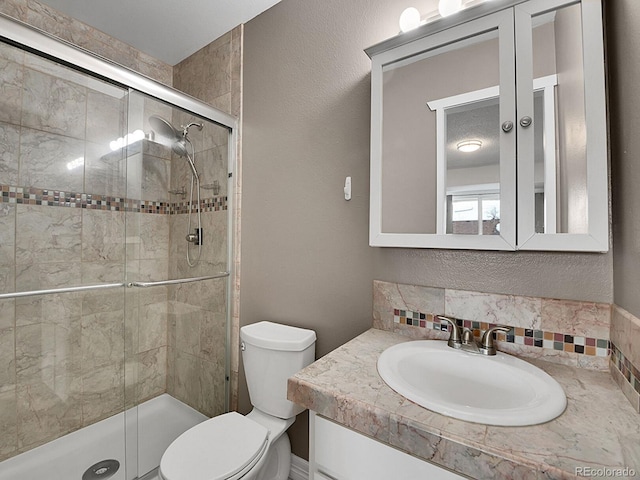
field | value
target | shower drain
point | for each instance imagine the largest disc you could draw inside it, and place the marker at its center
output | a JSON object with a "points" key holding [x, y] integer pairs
{"points": [[101, 470]]}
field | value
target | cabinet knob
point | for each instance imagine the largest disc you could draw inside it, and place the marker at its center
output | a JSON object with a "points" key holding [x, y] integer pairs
{"points": [[507, 126], [525, 122]]}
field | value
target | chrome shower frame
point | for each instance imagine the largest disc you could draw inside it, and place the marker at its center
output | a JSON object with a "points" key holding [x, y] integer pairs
{"points": [[29, 38]]}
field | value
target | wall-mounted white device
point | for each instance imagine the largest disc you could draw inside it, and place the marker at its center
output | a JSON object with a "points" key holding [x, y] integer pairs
{"points": [[347, 188]]}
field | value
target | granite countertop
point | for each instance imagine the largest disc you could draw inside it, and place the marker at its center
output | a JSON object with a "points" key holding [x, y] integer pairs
{"points": [[599, 429]]}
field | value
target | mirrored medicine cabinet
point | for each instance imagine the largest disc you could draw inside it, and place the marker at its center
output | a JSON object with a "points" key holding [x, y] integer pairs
{"points": [[488, 131]]}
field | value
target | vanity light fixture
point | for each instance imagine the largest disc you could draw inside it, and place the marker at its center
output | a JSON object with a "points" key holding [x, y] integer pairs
{"points": [[469, 146], [128, 139], [73, 164], [449, 7], [409, 19]]}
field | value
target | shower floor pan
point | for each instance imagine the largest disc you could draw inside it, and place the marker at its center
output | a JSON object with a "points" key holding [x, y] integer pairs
{"points": [[159, 422]]}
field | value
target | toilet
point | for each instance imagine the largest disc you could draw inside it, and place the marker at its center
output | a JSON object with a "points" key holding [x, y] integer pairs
{"points": [[255, 446]]}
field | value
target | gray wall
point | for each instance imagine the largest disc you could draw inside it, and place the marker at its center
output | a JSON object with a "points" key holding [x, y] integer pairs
{"points": [[305, 259], [305, 254], [623, 48]]}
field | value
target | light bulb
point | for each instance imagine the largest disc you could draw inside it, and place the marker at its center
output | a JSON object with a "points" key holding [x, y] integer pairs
{"points": [[469, 146], [449, 7], [137, 136], [78, 162], [409, 19]]}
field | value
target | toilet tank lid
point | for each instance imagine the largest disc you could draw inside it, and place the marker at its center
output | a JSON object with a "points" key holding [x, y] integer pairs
{"points": [[274, 336]]}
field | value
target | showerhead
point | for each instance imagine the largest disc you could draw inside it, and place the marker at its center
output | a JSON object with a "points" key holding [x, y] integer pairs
{"points": [[179, 147], [163, 128], [178, 140]]}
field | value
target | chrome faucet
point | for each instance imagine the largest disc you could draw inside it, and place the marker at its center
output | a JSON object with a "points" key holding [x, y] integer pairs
{"points": [[462, 338]]}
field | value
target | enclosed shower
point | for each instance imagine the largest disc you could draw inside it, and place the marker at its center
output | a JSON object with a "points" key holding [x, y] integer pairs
{"points": [[114, 262]]}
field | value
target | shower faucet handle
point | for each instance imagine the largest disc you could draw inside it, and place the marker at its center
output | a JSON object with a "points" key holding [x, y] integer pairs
{"points": [[195, 237]]}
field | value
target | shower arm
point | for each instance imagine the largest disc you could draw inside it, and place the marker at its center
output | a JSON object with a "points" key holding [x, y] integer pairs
{"points": [[185, 130]]}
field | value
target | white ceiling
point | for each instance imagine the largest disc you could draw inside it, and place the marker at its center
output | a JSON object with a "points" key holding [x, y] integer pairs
{"points": [[169, 30]]}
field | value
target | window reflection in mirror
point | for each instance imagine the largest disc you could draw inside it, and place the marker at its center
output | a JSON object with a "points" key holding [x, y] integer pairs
{"points": [[472, 163]]}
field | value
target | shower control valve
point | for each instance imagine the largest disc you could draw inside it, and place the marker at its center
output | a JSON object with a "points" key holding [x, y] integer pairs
{"points": [[195, 237]]}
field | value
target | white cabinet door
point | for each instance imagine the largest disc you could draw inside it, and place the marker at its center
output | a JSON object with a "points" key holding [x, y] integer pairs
{"points": [[562, 198], [423, 193], [338, 453]]}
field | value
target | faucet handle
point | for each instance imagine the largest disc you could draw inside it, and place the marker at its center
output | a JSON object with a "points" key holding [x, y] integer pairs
{"points": [[486, 344], [467, 336], [455, 338]]}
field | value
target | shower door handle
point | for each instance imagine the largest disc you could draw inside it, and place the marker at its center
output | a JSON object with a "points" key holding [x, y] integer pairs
{"points": [[177, 281], [51, 291]]}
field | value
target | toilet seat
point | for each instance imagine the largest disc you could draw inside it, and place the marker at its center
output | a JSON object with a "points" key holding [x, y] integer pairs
{"points": [[222, 448]]}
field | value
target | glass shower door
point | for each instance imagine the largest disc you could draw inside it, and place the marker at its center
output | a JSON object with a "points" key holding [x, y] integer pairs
{"points": [[177, 259], [62, 258]]}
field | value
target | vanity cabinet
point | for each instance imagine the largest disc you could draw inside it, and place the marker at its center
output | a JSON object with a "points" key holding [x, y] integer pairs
{"points": [[338, 453], [488, 130]]}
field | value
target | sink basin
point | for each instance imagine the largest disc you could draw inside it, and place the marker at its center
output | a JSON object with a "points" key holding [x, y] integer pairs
{"points": [[493, 390]]}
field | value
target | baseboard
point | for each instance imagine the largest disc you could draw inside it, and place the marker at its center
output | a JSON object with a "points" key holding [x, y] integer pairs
{"points": [[299, 468]]}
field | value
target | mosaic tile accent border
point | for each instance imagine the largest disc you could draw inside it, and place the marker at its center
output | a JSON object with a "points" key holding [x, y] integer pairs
{"points": [[214, 204], [624, 365], [521, 336], [56, 198]]}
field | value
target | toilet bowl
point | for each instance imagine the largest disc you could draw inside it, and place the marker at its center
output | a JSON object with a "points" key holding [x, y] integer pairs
{"points": [[255, 446]]}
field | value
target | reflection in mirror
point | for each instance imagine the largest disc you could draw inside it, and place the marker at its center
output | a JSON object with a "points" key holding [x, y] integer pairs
{"points": [[563, 208], [413, 198], [469, 132], [472, 166]]}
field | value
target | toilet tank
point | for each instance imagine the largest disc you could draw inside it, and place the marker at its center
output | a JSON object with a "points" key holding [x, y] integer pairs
{"points": [[271, 353]]}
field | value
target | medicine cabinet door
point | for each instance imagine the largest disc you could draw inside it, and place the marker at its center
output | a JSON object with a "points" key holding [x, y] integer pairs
{"points": [[562, 145], [443, 146]]}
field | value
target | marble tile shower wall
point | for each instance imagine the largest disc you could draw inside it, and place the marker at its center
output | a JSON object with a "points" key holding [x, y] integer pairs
{"points": [[61, 356], [198, 311], [196, 359]]}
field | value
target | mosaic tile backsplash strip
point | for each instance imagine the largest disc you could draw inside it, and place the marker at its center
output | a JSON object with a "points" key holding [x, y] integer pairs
{"points": [[625, 355], [521, 336], [628, 370]]}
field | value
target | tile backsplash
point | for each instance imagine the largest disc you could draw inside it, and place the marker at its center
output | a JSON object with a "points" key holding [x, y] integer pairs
{"points": [[596, 336], [625, 355], [562, 331]]}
